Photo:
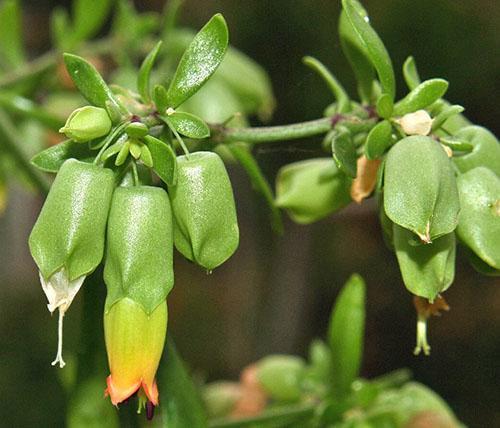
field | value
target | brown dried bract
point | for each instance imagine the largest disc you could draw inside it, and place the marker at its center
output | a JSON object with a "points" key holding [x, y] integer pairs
{"points": [[365, 181], [425, 309]]}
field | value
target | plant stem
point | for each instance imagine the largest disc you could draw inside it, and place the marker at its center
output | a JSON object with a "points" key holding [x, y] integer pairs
{"points": [[269, 134], [283, 415], [8, 139]]}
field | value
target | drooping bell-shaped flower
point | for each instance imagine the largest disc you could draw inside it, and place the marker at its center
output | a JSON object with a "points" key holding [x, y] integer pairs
{"points": [[67, 240], [138, 274]]}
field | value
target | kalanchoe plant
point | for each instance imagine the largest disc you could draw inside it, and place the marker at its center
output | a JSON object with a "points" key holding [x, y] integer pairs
{"points": [[142, 170]]}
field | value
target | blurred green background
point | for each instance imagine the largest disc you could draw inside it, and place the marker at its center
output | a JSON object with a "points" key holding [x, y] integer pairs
{"points": [[275, 294]]}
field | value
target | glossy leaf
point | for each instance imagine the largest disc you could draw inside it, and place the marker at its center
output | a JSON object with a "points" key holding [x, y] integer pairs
{"points": [[164, 160], [445, 114], [357, 57], [51, 159], [12, 52], [244, 156], [374, 46], [427, 269], [160, 98], [180, 404], [344, 152], [144, 76], [479, 220], [346, 335], [188, 124], [485, 152], [385, 106], [410, 73], [422, 96], [200, 60], [333, 84], [425, 203], [89, 82], [378, 140]]}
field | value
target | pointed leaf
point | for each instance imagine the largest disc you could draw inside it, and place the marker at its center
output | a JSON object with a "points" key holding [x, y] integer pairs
{"points": [[143, 78], [346, 335], [333, 84], [357, 57], [181, 404], [420, 191], [200, 60], [374, 46], [378, 140], [188, 124], [427, 269], [51, 159], [445, 114], [160, 98], [164, 160], [421, 97], [479, 220], [88, 18], [344, 152], [89, 82], [385, 106], [410, 73]]}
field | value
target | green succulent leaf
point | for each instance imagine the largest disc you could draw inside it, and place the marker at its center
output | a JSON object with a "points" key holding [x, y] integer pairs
{"points": [[90, 83], [188, 124], [427, 269], [281, 376], [373, 44], [164, 160], [88, 18], [200, 60], [344, 152], [340, 94], [385, 106], [160, 98], [479, 220], [422, 96], [346, 334], [479, 265], [144, 76], [51, 159], [181, 404], [456, 145], [357, 57], [379, 139], [485, 152], [12, 52], [444, 115], [410, 73], [425, 203]]}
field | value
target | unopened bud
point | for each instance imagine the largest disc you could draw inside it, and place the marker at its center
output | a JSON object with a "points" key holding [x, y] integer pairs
{"points": [[87, 123]]}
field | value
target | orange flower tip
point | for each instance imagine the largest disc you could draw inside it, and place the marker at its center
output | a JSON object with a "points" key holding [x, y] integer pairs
{"points": [[151, 392], [120, 394]]}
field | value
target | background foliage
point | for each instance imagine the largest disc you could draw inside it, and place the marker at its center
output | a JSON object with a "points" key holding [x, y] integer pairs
{"points": [[275, 294]]}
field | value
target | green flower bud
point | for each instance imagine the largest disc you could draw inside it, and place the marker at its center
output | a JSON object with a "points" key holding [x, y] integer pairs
{"points": [[205, 223], [67, 240], [281, 376], [138, 274], [87, 123], [312, 189]]}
